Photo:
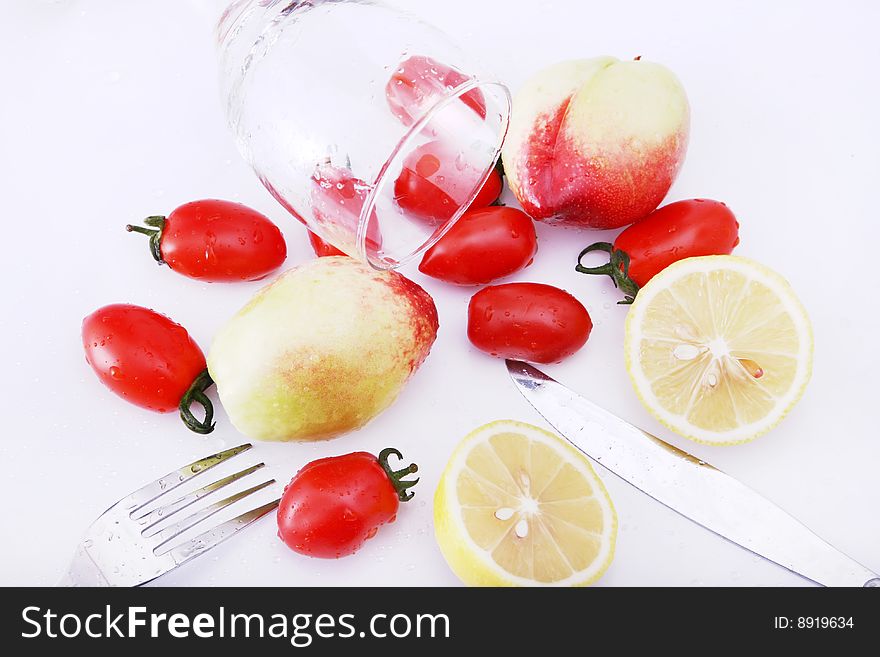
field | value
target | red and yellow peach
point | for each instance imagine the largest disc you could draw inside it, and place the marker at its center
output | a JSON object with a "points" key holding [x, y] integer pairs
{"points": [[596, 143]]}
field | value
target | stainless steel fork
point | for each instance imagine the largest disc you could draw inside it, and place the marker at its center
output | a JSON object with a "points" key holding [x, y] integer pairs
{"points": [[125, 547]]}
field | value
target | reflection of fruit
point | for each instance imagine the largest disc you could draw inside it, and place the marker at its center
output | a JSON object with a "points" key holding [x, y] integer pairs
{"points": [[518, 506], [322, 350], [596, 143], [718, 348], [434, 182], [529, 321], [482, 246], [337, 200], [419, 82], [332, 506]]}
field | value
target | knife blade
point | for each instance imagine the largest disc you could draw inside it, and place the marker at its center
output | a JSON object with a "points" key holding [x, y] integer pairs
{"points": [[688, 485]]}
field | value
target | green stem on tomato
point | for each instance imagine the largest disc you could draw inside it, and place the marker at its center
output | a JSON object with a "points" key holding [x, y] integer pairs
{"points": [[617, 268], [396, 476], [196, 395], [157, 225]]}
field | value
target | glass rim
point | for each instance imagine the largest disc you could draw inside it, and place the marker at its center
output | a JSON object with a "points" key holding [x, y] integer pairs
{"points": [[414, 130]]}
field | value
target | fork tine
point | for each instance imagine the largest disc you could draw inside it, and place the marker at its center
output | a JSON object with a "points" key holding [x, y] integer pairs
{"points": [[213, 537], [161, 537], [174, 479], [150, 518]]}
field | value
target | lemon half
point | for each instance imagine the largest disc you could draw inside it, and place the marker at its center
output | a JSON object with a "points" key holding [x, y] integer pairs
{"points": [[518, 506], [718, 348]]}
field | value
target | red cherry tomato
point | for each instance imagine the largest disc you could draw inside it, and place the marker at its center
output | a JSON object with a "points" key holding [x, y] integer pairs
{"points": [[684, 229], [420, 81], [321, 248], [333, 505], [527, 321], [148, 360], [434, 182], [337, 200], [482, 246], [216, 241], [489, 192]]}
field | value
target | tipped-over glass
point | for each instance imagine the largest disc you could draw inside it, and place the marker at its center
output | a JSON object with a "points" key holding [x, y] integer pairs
{"points": [[369, 126]]}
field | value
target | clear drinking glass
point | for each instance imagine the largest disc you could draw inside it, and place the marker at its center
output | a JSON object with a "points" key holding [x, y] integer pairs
{"points": [[371, 127]]}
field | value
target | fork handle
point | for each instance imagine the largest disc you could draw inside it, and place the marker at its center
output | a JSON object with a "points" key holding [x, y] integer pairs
{"points": [[82, 571]]}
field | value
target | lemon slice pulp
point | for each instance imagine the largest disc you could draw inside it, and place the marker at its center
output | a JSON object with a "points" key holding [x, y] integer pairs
{"points": [[718, 348], [518, 506]]}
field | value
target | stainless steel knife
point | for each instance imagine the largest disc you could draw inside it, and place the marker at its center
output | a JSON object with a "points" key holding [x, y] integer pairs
{"points": [[687, 485]]}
